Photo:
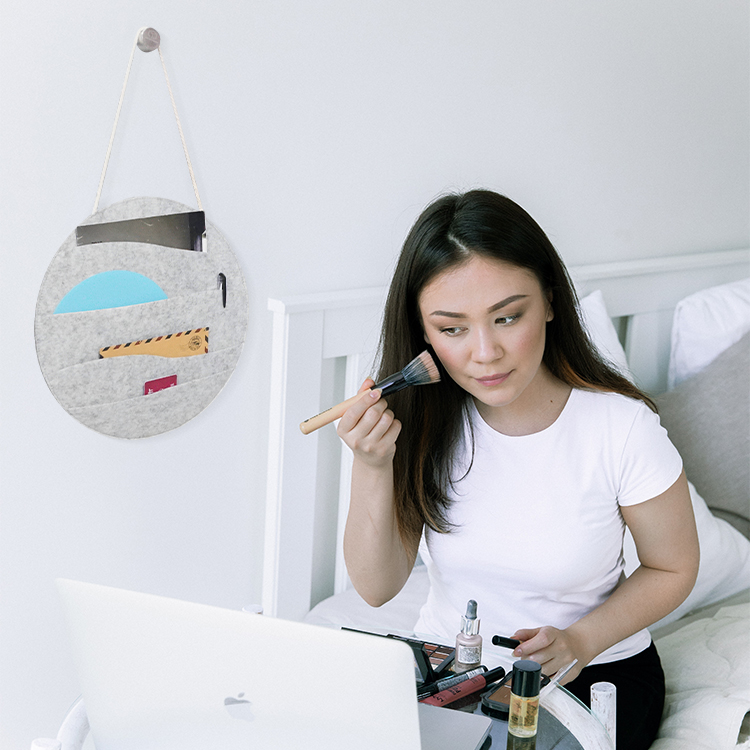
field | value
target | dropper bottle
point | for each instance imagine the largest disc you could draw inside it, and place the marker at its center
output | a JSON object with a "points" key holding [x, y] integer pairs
{"points": [[468, 641]]}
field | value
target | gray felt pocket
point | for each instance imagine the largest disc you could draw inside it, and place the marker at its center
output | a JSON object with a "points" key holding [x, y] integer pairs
{"points": [[107, 394], [144, 416], [107, 381]]}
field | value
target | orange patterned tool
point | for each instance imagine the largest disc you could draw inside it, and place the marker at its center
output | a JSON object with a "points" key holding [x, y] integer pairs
{"points": [[183, 344]]}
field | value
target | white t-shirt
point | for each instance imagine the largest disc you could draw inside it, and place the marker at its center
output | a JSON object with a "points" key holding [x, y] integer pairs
{"points": [[538, 528]]}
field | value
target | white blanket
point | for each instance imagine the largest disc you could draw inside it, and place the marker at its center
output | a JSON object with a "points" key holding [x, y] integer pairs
{"points": [[707, 667]]}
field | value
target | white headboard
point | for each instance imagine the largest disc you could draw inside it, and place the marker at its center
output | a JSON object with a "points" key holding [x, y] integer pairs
{"points": [[323, 348]]}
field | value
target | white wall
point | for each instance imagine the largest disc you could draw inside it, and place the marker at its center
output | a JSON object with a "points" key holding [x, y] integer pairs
{"points": [[317, 131]]}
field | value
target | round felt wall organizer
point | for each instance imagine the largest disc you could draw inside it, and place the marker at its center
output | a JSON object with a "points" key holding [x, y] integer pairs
{"points": [[140, 318]]}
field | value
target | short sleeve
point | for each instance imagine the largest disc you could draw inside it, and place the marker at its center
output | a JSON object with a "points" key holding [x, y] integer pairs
{"points": [[650, 464]]}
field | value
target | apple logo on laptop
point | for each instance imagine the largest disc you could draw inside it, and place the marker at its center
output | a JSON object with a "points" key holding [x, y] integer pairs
{"points": [[239, 708]]}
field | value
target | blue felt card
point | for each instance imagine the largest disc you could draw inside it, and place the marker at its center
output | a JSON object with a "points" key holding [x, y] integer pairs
{"points": [[110, 289]]}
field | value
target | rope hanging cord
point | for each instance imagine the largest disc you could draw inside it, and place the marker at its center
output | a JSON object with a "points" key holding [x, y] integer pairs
{"points": [[117, 118]]}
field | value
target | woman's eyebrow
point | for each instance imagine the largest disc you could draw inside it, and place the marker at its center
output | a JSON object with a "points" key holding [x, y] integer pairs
{"points": [[494, 308], [507, 301]]}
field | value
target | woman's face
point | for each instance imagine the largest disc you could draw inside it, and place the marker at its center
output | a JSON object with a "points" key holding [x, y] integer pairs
{"points": [[486, 321]]}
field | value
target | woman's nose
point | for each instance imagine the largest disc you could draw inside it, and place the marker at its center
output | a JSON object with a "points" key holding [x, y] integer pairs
{"points": [[486, 346]]}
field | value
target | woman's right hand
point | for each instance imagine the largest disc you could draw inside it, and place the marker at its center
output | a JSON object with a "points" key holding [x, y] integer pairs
{"points": [[370, 428]]}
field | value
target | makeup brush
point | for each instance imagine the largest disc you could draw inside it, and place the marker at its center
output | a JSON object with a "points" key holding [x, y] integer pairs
{"points": [[422, 370]]}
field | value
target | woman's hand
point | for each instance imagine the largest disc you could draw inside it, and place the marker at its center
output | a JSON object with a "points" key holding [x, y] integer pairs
{"points": [[369, 428], [553, 649]]}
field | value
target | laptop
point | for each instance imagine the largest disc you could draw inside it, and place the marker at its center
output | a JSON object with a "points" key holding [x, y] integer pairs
{"points": [[166, 674]]}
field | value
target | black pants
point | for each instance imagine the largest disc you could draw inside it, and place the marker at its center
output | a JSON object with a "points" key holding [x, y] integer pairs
{"points": [[639, 681]]}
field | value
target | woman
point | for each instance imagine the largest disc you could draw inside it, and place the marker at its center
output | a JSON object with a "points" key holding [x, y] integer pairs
{"points": [[522, 467]]}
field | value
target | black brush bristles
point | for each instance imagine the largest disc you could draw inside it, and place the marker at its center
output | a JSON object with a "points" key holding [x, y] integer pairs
{"points": [[422, 370]]}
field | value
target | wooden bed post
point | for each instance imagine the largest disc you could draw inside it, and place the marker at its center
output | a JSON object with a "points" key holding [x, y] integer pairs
{"points": [[290, 498]]}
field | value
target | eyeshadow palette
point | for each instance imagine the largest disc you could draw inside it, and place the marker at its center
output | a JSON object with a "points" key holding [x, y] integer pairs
{"points": [[441, 657], [431, 660]]}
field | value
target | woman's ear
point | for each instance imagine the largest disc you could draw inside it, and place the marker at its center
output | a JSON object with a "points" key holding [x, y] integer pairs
{"points": [[550, 309]]}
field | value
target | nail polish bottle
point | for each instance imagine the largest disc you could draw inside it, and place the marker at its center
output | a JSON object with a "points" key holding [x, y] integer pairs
{"points": [[524, 698], [468, 641]]}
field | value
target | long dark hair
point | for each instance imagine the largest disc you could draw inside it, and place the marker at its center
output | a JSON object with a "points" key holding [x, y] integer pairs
{"points": [[447, 233]]}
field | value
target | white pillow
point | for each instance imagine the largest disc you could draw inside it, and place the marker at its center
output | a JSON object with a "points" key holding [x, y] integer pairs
{"points": [[705, 324], [725, 561], [602, 331]]}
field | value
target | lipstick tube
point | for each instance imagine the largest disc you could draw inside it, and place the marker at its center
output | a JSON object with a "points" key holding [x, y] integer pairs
{"points": [[467, 687], [445, 682]]}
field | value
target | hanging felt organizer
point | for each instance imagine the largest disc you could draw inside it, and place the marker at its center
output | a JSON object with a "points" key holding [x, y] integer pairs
{"points": [[142, 313]]}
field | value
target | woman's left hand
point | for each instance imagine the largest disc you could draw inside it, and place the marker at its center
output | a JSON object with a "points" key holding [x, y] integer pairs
{"points": [[552, 648]]}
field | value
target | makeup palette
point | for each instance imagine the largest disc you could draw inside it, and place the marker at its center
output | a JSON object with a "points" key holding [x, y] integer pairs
{"points": [[496, 702], [441, 657], [431, 660]]}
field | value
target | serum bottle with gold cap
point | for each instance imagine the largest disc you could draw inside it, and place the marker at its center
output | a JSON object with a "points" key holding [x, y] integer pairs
{"points": [[468, 641]]}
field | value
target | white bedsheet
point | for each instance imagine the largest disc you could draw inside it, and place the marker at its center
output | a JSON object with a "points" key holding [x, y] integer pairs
{"points": [[707, 663]]}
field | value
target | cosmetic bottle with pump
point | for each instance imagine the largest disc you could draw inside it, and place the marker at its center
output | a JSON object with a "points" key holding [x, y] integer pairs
{"points": [[524, 698], [468, 641]]}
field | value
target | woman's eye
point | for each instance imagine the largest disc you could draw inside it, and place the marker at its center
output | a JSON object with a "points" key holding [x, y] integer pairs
{"points": [[507, 320], [454, 331]]}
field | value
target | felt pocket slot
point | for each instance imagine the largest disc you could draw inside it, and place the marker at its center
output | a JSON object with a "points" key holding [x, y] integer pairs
{"points": [[106, 381], [144, 416], [176, 272], [70, 339]]}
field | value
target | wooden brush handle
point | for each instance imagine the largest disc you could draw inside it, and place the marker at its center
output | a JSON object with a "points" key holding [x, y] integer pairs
{"points": [[329, 415]]}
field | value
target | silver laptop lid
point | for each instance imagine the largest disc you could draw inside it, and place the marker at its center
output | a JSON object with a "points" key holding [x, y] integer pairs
{"points": [[173, 675]]}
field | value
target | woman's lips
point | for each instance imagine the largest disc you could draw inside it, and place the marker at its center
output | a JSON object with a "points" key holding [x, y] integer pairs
{"points": [[491, 380]]}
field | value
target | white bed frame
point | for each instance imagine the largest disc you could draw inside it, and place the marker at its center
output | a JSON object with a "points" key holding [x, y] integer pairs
{"points": [[323, 348]]}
